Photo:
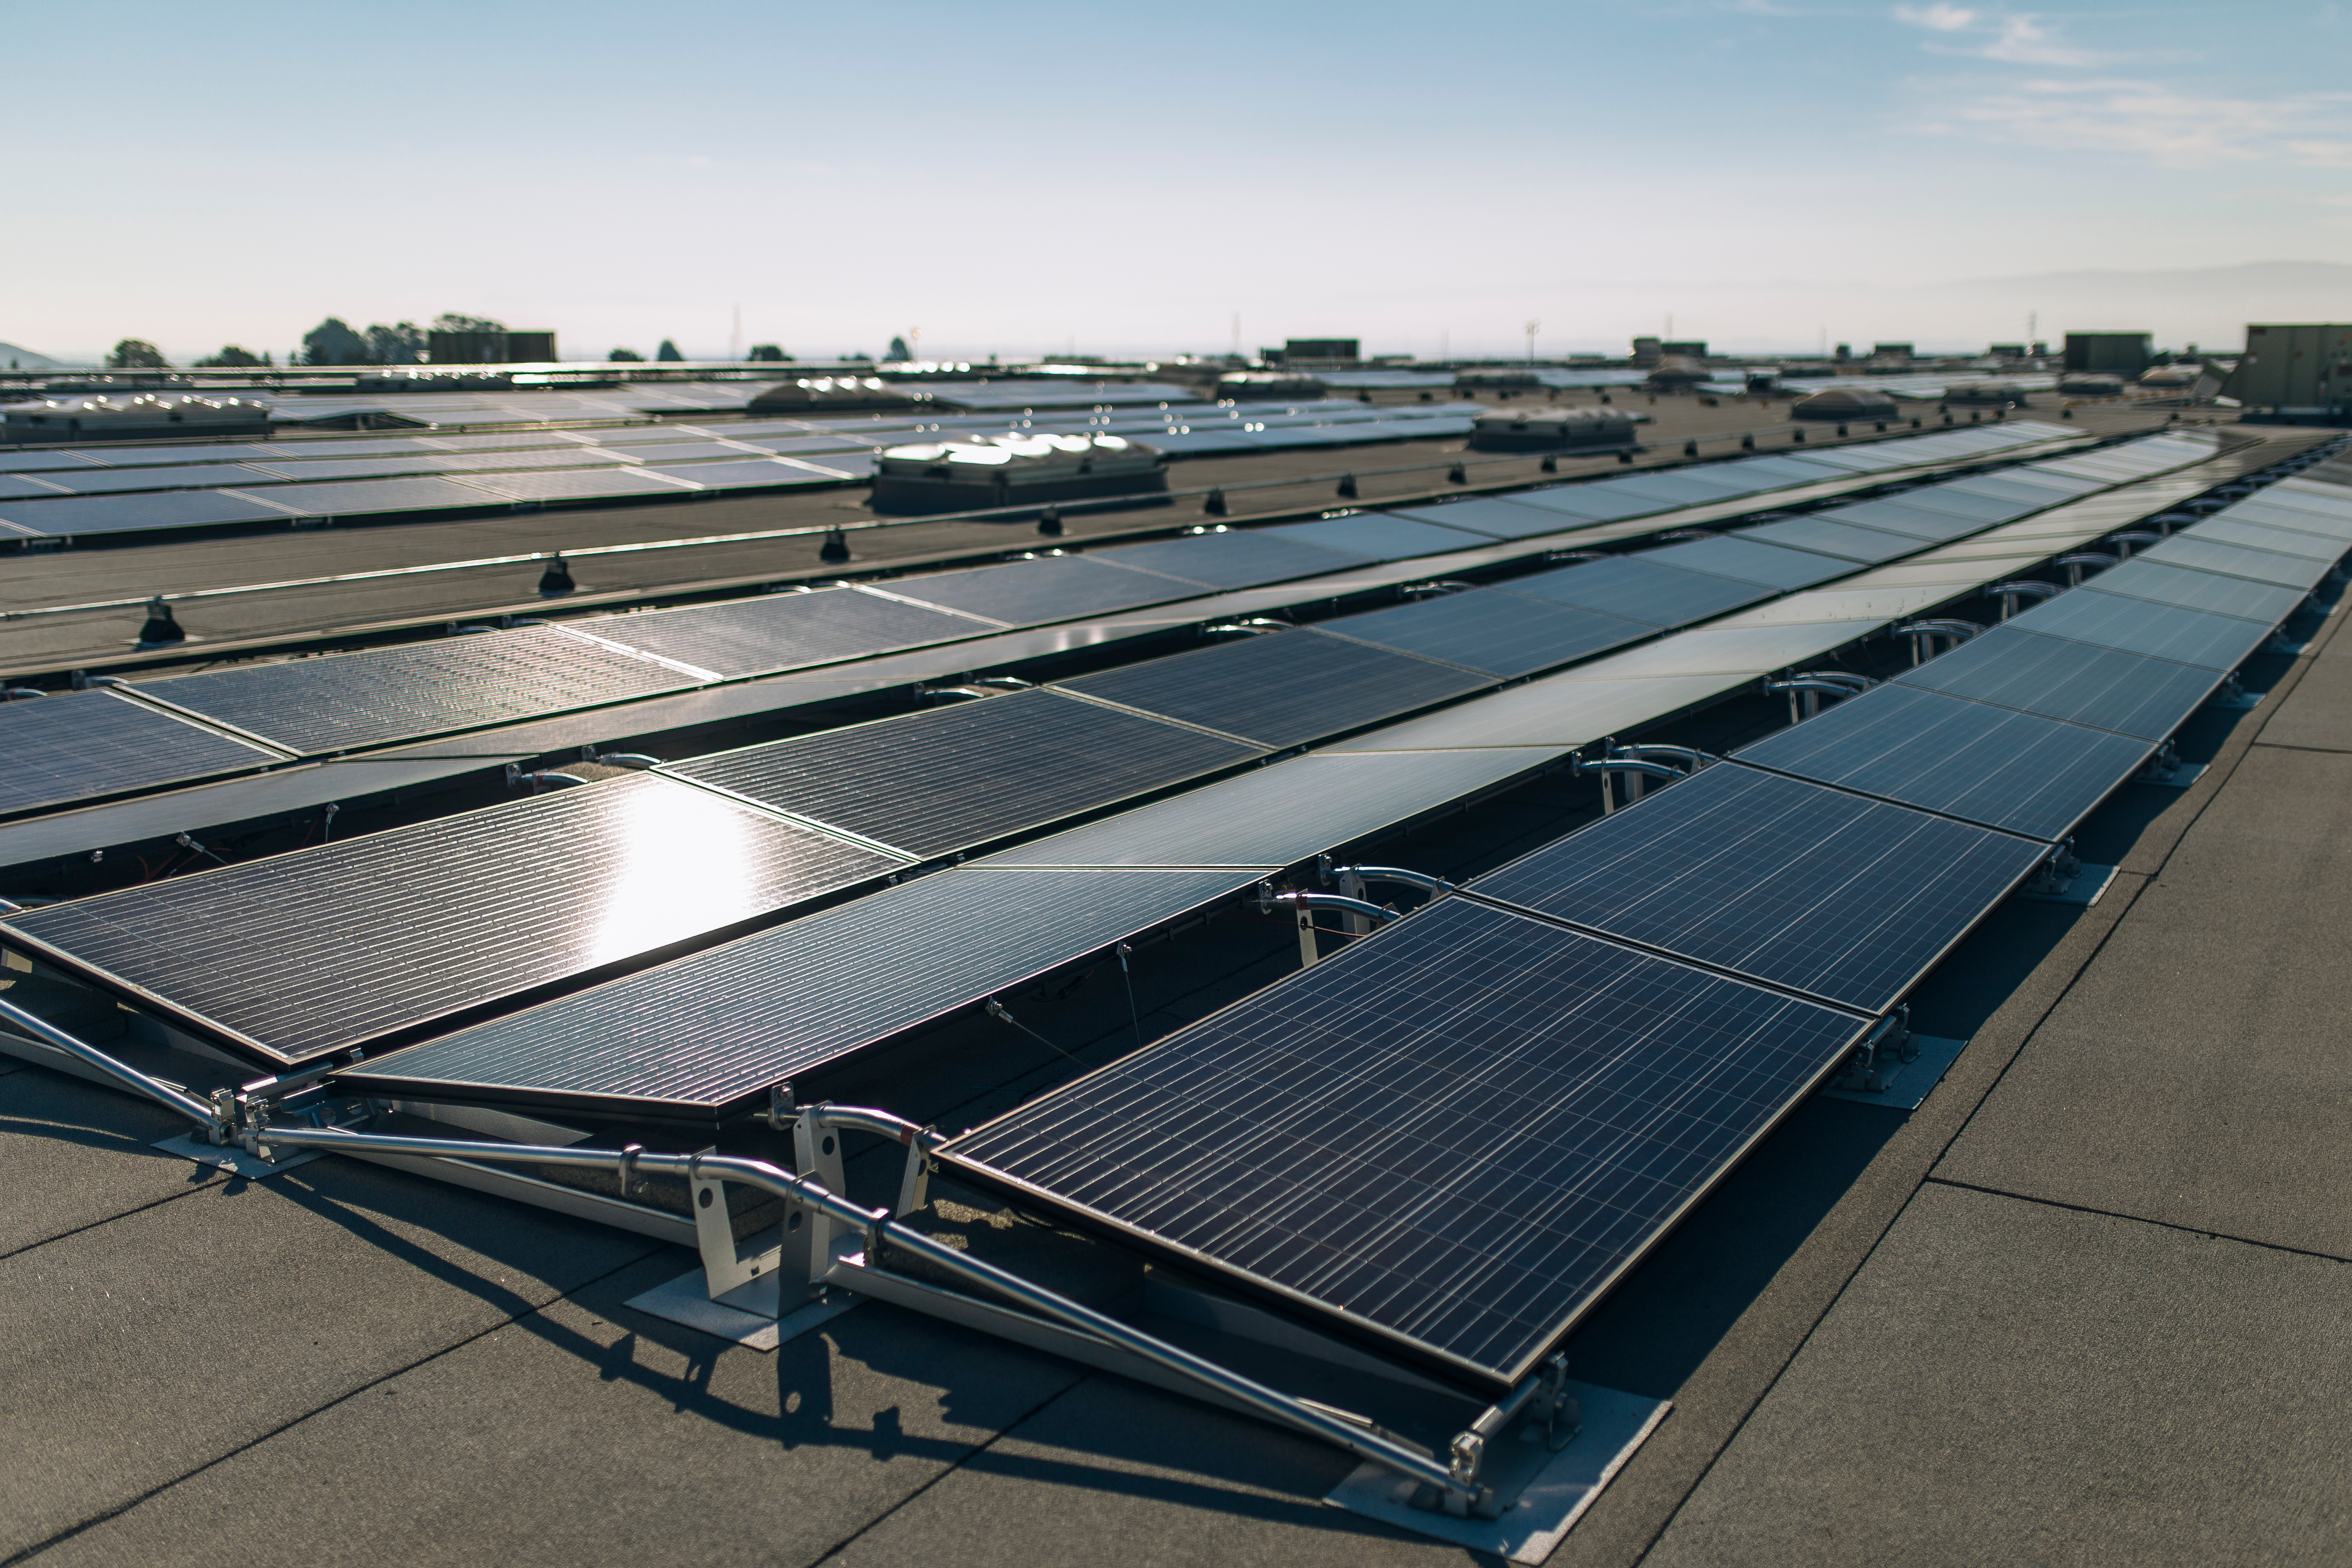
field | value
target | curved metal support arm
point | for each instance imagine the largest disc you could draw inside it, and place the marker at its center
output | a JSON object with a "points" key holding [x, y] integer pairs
{"points": [[2085, 558], [1626, 766], [2027, 588], [1646, 750], [1812, 683], [1256, 626], [1269, 900], [1428, 884], [1440, 585], [539, 780], [1939, 628], [884, 1235]]}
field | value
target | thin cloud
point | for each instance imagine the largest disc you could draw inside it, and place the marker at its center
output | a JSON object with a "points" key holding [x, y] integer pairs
{"points": [[2012, 37], [2150, 119], [1939, 17]]}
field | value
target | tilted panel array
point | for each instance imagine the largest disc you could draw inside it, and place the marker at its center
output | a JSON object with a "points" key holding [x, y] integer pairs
{"points": [[708, 1034], [1448, 1139], [1846, 898], [343, 701], [325, 948], [79, 745], [783, 631], [1501, 634], [932, 784]]}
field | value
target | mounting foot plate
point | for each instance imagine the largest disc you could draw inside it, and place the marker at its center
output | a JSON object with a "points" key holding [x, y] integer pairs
{"points": [[1558, 1486], [1907, 1083], [2082, 889], [746, 1315], [2183, 776], [229, 1157]]}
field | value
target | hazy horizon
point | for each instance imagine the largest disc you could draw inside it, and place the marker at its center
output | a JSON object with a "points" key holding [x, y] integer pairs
{"points": [[1038, 179]]}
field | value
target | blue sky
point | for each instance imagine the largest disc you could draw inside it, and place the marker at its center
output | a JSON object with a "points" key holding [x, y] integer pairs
{"points": [[1015, 179]]}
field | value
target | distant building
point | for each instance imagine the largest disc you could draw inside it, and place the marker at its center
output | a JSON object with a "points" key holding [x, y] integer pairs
{"points": [[1648, 352], [1687, 349], [2109, 353], [490, 348], [2302, 373], [1315, 353]]}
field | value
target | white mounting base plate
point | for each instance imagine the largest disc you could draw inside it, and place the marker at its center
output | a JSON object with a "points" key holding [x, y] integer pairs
{"points": [[2243, 702], [1908, 1083], [2082, 889], [1563, 1486], [2184, 775], [229, 1157], [746, 1315]]}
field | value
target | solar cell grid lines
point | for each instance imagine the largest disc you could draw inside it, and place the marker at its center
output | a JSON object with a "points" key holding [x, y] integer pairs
{"points": [[2018, 772], [325, 949], [343, 701], [1845, 899], [1281, 689], [2106, 689], [1747, 561], [783, 631], [1502, 634], [1449, 1139], [1863, 544], [69, 516], [1501, 517], [2236, 561], [929, 784], [1381, 537], [76, 746], [1893, 517], [1638, 590], [1231, 559], [2261, 536], [2135, 625], [1049, 588], [714, 1030]]}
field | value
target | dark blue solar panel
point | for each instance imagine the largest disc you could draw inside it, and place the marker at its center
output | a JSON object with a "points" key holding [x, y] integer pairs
{"points": [[1282, 689], [1826, 892], [1866, 545], [2237, 561], [68, 516], [79, 745], [1984, 509], [2153, 581], [1381, 536], [2108, 689], [2135, 625], [2261, 536], [1236, 559], [1995, 765], [1746, 561], [1588, 502], [1050, 588], [1500, 516], [1639, 590], [1501, 634], [1449, 1139], [783, 631], [1894, 517]]}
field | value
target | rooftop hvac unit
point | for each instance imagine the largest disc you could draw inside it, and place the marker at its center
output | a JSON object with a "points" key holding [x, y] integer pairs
{"points": [[993, 471], [1553, 430], [1676, 372], [1843, 402], [2091, 385], [142, 417], [2000, 393]]}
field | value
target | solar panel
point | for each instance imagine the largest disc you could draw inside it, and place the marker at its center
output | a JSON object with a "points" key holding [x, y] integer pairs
{"points": [[1449, 1139], [575, 484], [344, 701], [1824, 536], [1983, 510], [1502, 634], [2106, 689], [2229, 529], [2135, 625], [2236, 561], [1234, 559], [931, 784], [2276, 513], [1759, 474], [1588, 502], [324, 949], [1725, 651], [2022, 486], [1666, 489], [1639, 590], [759, 473], [355, 497], [1894, 517], [1498, 516], [1555, 712], [1281, 815], [1846, 898], [783, 631], [1746, 561], [70, 516], [107, 481], [1049, 588], [709, 1033], [2159, 584], [78, 745], [1282, 689], [1379, 537], [1994, 765]]}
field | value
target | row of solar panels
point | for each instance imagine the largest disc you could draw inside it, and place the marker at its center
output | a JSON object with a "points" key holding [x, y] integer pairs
{"points": [[526, 407], [707, 1033], [64, 503], [90, 745], [1455, 1137], [856, 804]]}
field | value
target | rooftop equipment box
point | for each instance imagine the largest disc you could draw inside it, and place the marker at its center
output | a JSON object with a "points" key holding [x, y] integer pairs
{"points": [[2113, 353], [2295, 370]]}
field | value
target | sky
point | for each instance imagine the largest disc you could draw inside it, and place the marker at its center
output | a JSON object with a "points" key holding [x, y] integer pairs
{"points": [[1027, 179]]}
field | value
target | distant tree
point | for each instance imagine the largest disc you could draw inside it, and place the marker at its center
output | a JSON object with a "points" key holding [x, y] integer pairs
{"points": [[136, 354], [628, 356], [233, 358], [449, 322], [403, 345], [857, 359], [668, 351], [333, 341], [898, 353], [770, 352]]}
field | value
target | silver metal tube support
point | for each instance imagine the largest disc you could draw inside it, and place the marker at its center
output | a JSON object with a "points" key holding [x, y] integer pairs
{"points": [[1306, 901], [1428, 884], [1645, 749], [202, 1113], [884, 1233], [1627, 765], [1941, 628]]}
